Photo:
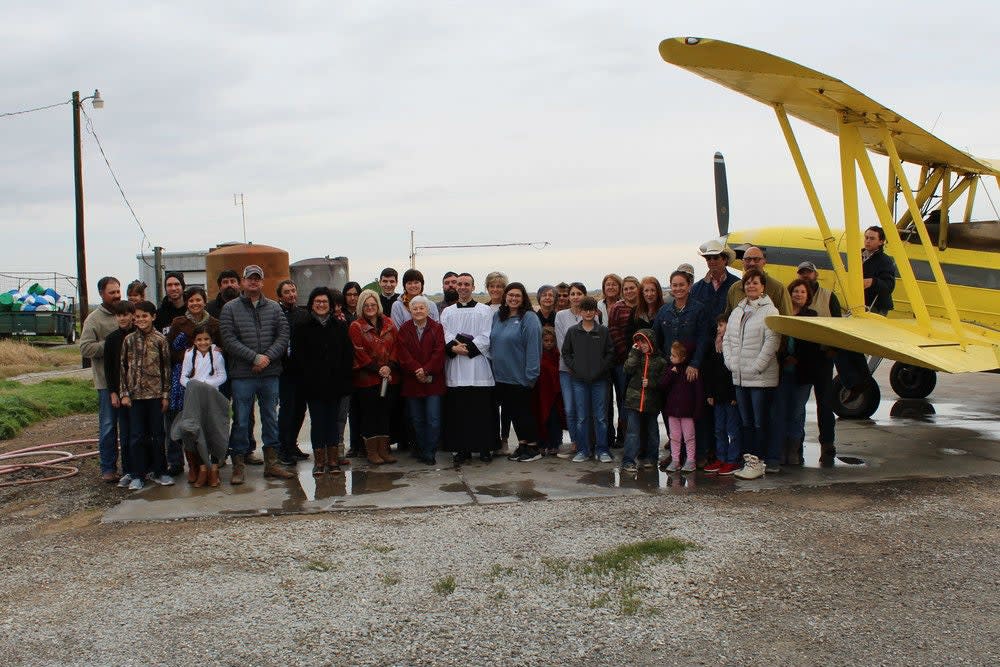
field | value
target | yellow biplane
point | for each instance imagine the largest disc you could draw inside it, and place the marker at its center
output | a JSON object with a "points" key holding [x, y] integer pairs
{"points": [[947, 314]]}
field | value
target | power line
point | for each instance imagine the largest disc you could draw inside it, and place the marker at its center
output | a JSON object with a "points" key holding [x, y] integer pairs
{"points": [[121, 190], [50, 106]]}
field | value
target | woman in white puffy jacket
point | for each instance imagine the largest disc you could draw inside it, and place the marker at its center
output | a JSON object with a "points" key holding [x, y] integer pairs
{"points": [[750, 352]]}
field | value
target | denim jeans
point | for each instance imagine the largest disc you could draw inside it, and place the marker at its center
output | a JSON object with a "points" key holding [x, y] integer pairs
{"points": [[125, 436], [566, 387], [793, 397], [754, 403], [728, 432], [107, 443], [425, 413], [589, 402], [635, 424], [146, 438], [265, 391]]}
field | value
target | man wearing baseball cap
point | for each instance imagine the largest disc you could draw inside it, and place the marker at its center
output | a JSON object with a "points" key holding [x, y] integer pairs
{"points": [[255, 337], [825, 304]]}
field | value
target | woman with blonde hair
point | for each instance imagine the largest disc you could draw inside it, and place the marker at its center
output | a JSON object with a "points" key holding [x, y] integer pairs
{"points": [[375, 373], [496, 283]]}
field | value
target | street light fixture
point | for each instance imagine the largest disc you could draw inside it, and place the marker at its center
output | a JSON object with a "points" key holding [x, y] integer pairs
{"points": [[81, 255]]}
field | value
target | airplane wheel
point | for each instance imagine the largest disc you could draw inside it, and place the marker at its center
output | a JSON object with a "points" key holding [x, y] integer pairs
{"points": [[861, 406], [911, 381]]}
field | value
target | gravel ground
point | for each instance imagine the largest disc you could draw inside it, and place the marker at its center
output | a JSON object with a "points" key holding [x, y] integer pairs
{"points": [[886, 574]]}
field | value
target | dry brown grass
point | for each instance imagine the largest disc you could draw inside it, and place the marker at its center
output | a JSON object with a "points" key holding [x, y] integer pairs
{"points": [[19, 357]]}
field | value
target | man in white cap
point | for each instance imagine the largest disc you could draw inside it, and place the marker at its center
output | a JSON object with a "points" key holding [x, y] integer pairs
{"points": [[714, 287], [255, 337]]}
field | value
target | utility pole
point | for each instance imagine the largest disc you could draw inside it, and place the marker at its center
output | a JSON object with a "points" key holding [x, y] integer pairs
{"points": [[158, 274], [413, 252], [243, 209], [81, 251]]}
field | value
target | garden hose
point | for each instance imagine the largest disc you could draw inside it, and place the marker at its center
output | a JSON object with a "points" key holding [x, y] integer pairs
{"points": [[59, 464]]}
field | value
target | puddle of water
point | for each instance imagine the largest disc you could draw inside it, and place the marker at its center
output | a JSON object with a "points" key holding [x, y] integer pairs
{"points": [[356, 483], [952, 451], [454, 487], [522, 490], [654, 480], [851, 460]]}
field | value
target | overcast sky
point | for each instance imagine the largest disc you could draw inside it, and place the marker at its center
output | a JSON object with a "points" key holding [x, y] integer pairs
{"points": [[347, 124]]}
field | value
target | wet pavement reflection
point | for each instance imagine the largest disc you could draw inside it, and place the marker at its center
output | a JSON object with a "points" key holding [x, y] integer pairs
{"points": [[953, 435]]}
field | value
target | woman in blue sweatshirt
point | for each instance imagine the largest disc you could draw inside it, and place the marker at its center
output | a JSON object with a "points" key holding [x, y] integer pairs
{"points": [[516, 348]]}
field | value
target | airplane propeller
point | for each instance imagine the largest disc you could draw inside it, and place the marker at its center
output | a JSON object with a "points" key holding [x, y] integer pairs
{"points": [[721, 196]]}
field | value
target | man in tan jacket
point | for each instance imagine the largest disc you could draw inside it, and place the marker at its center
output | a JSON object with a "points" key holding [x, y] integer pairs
{"points": [[96, 328]]}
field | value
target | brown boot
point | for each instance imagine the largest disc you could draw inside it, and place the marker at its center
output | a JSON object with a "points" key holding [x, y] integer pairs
{"points": [[193, 462], [332, 461], [202, 477], [372, 449], [384, 451], [319, 461], [237, 477], [213, 475], [271, 467]]}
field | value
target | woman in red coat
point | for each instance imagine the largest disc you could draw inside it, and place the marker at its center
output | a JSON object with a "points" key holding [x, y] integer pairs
{"points": [[375, 374], [421, 357]]}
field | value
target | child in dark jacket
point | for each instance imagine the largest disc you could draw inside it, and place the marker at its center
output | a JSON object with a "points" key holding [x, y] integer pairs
{"points": [[683, 400], [124, 312], [721, 394], [589, 355], [546, 396], [644, 367]]}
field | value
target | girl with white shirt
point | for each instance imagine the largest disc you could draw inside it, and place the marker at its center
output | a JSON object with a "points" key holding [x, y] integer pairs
{"points": [[203, 361]]}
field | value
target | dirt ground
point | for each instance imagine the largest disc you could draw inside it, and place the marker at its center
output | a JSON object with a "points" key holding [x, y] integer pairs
{"points": [[895, 573]]}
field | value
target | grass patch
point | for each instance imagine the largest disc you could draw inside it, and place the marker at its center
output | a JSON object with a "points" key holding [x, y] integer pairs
{"points": [[22, 405], [381, 548], [445, 585], [18, 357], [627, 556], [498, 571], [557, 566], [319, 566], [390, 579]]}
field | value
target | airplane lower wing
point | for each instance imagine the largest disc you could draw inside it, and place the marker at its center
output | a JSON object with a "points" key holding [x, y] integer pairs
{"points": [[899, 340]]}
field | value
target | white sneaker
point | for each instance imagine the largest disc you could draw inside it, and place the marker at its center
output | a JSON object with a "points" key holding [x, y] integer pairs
{"points": [[136, 484], [689, 466], [125, 480], [752, 468], [673, 466], [164, 480]]}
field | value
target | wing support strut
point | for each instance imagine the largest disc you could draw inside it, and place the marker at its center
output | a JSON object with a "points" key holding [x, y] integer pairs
{"points": [[925, 239], [859, 155], [824, 227]]}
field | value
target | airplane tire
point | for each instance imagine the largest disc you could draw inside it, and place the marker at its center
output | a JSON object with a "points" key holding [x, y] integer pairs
{"points": [[911, 381], [862, 407]]}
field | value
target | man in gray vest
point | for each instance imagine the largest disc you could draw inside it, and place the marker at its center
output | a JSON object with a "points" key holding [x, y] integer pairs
{"points": [[826, 304]]}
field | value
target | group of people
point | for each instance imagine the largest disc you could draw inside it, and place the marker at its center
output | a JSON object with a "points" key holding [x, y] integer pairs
{"points": [[458, 374]]}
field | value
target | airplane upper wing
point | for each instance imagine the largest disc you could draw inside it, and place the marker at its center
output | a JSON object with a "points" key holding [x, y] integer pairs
{"points": [[899, 340], [817, 98]]}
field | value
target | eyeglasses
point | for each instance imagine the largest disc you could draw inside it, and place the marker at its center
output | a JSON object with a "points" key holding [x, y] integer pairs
{"points": [[752, 259]]}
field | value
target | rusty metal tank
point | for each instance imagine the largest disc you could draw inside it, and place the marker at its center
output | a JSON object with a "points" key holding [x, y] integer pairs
{"points": [[326, 271], [274, 262]]}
